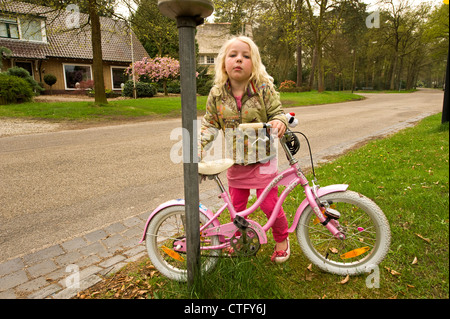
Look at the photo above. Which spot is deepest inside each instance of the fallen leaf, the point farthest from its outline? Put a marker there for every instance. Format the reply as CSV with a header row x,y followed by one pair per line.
x,y
334,250
392,271
309,267
414,261
345,280
309,276
410,286
395,273
421,237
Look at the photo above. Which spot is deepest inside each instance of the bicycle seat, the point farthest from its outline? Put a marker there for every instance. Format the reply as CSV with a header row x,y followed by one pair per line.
x,y
214,167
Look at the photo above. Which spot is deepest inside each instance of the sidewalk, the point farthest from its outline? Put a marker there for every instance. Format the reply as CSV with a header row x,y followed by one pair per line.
x,y
50,272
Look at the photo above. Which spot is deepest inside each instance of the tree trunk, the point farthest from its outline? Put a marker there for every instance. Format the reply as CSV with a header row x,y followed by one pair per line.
x,y
299,45
320,75
394,72
97,63
313,68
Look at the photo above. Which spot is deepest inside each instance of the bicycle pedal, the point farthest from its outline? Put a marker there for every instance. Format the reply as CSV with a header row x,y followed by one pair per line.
x,y
240,222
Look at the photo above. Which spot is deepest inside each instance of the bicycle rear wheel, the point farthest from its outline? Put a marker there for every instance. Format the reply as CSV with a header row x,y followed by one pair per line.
x,y
366,230
168,227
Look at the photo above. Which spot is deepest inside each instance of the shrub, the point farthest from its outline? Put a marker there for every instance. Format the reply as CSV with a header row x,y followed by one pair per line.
x,y
205,81
288,84
24,74
50,79
142,89
14,89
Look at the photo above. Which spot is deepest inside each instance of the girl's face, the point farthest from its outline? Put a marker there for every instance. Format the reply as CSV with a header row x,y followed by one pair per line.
x,y
238,62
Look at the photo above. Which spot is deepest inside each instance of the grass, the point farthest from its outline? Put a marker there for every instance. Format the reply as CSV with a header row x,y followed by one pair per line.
x,y
157,107
88,111
407,175
315,98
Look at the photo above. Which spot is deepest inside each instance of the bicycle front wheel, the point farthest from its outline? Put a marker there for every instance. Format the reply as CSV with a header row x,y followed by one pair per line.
x,y
366,230
168,227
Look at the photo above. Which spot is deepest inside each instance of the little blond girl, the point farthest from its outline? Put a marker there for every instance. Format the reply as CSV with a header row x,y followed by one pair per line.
x,y
243,92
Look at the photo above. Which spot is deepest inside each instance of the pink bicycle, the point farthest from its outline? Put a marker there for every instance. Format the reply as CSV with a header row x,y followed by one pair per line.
x,y
340,231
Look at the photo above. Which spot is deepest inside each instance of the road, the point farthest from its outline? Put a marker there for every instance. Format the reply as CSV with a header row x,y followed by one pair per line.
x,y
56,186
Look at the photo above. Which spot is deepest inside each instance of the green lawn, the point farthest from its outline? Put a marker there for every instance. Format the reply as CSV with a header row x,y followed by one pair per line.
x,y
407,175
144,108
315,98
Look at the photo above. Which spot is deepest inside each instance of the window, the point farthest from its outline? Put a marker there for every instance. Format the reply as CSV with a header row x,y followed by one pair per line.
x,y
77,76
118,77
25,65
209,59
9,27
30,29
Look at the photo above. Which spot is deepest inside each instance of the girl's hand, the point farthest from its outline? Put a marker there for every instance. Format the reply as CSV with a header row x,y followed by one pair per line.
x,y
277,124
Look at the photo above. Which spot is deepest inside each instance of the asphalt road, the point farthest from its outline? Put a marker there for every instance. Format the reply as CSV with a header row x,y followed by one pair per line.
x,y
59,185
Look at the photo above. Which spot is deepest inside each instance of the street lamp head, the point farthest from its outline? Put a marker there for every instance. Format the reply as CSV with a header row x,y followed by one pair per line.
x,y
186,8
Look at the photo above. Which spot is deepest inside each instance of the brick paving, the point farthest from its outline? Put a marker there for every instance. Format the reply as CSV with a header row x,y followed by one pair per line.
x,y
62,270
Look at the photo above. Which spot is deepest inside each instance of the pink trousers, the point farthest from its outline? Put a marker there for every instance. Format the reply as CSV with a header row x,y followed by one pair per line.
x,y
239,198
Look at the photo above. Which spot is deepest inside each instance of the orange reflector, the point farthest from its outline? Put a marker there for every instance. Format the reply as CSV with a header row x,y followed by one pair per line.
x,y
316,221
172,253
355,252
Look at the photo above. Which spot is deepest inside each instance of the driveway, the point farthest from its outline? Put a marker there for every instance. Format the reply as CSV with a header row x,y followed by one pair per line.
x,y
59,184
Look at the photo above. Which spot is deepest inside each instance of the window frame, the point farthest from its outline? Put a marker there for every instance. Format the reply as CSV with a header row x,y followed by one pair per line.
x,y
74,64
8,22
112,75
19,23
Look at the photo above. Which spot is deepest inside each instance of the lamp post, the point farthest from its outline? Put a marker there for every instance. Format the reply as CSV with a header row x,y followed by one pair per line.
x,y
189,14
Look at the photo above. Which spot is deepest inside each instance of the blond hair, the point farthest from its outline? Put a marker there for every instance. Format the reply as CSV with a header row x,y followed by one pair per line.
x,y
259,74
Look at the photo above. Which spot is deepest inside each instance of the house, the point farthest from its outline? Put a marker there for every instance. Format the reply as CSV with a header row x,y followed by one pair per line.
x,y
210,38
45,41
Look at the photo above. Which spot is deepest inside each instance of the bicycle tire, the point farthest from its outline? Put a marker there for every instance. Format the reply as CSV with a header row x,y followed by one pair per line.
x,y
173,219
331,254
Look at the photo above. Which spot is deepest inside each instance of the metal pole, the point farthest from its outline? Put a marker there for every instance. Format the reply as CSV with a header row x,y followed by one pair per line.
x,y
189,14
186,32
132,62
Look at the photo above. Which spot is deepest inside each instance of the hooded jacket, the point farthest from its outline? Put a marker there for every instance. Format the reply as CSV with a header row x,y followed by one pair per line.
x,y
259,105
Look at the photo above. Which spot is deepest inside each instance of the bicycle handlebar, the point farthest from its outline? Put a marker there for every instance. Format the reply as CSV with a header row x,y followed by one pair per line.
x,y
244,126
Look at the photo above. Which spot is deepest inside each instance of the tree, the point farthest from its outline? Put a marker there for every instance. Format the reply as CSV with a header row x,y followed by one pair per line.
x,y
4,53
237,12
157,33
50,79
97,63
157,69
327,21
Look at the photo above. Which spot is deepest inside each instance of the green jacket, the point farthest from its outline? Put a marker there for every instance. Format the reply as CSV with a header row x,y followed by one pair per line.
x,y
260,104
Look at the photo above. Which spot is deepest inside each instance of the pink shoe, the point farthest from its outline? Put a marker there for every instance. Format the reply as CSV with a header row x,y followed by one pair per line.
x,y
280,256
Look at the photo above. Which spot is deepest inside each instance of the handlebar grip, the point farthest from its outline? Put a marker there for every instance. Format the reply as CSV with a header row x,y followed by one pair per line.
x,y
253,125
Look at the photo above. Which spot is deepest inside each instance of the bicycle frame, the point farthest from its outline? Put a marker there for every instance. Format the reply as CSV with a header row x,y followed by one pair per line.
x,y
317,220
291,178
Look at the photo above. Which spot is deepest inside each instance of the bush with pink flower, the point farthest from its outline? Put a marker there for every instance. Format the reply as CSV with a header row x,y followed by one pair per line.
x,y
158,69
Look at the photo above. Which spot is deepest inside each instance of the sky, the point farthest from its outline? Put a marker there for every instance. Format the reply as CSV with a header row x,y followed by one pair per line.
x,y
413,2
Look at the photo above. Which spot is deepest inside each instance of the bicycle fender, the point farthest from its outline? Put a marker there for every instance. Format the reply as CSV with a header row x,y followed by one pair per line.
x,y
177,202
320,192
